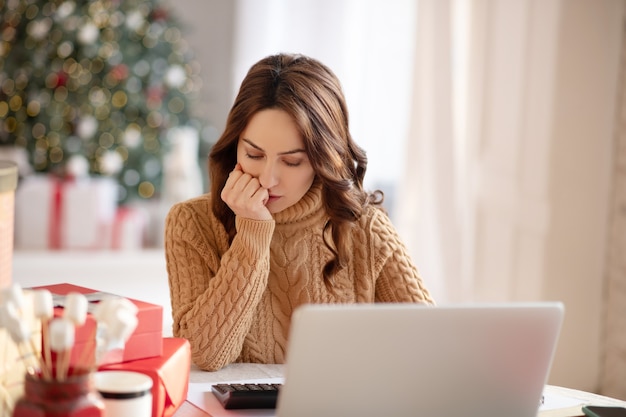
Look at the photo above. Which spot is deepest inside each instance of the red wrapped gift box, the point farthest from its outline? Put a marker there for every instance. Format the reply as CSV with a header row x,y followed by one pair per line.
x,y
145,341
169,373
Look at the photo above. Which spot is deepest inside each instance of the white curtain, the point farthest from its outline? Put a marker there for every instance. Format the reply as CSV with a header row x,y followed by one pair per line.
x,y
473,206
428,214
506,187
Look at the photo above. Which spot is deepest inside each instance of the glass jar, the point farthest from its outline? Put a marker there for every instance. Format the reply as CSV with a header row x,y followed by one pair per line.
x,y
8,183
75,396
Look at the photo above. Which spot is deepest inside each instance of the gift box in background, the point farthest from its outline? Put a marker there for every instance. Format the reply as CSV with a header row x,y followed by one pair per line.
x,y
129,230
88,212
144,342
12,364
51,213
8,183
169,373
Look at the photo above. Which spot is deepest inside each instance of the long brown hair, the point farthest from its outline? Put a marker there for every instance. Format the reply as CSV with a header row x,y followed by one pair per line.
x,y
311,93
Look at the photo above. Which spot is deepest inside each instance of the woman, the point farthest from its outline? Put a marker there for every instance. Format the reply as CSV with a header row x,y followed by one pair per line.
x,y
286,222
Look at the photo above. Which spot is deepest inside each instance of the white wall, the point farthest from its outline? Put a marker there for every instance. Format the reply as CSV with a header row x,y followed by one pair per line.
x,y
208,27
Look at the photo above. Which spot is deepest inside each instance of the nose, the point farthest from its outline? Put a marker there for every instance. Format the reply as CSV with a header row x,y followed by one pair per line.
x,y
269,175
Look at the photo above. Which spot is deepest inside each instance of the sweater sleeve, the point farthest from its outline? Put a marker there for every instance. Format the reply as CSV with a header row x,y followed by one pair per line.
x,y
214,288
397,278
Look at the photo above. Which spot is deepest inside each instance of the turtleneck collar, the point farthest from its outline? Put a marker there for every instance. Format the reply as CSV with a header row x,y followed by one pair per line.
x,y
308,205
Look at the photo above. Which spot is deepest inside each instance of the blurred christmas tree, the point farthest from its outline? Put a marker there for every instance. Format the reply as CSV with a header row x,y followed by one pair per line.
x,y
96,86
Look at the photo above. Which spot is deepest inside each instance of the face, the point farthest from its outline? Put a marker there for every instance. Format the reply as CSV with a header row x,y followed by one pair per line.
x,y
271,149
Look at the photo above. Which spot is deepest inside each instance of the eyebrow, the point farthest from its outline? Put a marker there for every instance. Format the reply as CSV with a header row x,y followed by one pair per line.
x,y
255,146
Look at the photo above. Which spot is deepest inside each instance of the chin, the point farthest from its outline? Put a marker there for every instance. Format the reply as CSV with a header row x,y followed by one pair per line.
x,y
277,208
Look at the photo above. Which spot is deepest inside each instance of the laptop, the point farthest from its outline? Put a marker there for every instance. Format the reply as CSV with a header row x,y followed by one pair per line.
x,y
480,360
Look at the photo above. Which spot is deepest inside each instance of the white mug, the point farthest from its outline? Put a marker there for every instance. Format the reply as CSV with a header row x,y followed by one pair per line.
x,y
125,393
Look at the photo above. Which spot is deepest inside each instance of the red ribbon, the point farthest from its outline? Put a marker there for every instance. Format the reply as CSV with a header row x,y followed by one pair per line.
x,y
56,210
121,215
56,238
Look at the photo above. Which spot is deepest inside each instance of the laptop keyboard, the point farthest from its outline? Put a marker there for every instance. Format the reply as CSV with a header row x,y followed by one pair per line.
x,y
239,396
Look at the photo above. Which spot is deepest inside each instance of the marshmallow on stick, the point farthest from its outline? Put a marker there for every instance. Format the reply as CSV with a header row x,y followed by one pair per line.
x,y
75,308
121,325
44,311
19,331
13,294
8,312
103,308
106,308
61,342
12,303
117,320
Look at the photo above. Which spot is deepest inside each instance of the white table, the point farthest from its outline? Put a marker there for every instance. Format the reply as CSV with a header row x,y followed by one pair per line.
x,y
256,371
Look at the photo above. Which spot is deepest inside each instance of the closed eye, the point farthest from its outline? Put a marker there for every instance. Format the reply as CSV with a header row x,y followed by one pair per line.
x,y
293,164
254,156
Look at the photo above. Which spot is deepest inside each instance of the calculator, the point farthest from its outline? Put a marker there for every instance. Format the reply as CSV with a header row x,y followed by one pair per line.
x,y
239,396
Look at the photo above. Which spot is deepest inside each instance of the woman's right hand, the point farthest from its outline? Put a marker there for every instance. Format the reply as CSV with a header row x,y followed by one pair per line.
x,y
245,196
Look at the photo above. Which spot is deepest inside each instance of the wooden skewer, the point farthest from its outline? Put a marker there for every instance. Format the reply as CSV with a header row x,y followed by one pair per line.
x,y
45,349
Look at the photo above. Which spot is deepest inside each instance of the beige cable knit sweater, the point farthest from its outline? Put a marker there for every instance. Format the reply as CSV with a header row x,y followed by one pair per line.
x,y
234,303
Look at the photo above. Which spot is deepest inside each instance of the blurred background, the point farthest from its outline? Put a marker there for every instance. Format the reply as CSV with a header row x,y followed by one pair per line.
x,y
496,129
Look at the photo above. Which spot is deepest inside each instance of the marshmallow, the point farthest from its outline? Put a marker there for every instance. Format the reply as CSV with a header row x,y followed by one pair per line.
x,y
76,308
13,294
126,304
43,305
121,325
7,312
61,334
105,308
19,330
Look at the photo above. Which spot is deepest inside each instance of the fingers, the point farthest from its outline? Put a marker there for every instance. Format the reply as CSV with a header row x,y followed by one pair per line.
x,y
245,196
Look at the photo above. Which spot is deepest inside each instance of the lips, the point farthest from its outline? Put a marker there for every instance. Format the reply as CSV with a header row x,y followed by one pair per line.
x,y
272,198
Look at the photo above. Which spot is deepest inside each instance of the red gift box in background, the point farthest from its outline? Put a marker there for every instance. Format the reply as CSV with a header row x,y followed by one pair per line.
x,y
145,341
169,373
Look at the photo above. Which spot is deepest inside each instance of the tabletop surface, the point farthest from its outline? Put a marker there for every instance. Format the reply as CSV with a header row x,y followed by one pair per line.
x,y
233,372
248,371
